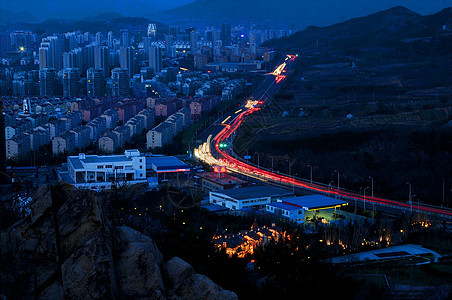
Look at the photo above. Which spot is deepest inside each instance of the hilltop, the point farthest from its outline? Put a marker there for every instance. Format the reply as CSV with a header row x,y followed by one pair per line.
x,y
395,28
300,14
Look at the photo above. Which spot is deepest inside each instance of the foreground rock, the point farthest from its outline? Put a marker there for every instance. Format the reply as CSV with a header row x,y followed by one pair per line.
x,y
186,284
67,249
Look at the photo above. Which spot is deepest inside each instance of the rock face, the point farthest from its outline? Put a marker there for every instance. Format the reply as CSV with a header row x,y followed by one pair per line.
x,y
186,284
67,249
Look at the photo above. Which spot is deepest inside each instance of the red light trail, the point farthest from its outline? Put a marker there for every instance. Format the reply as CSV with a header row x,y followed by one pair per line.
x,y
237,165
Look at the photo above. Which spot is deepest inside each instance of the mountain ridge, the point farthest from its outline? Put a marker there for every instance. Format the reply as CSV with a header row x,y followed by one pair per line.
x,y
391,27
300,14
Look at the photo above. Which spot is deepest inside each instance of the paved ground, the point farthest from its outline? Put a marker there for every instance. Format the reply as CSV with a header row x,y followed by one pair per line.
x,y
400,251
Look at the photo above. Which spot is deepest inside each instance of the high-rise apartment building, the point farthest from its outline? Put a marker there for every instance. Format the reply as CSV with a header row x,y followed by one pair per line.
x,y
155,58
71,82
47,82
126,59
120,78
102,59
95,82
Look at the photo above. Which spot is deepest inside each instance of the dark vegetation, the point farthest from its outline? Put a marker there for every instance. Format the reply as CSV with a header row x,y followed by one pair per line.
x,y
280,269
368,97
181,229
392,156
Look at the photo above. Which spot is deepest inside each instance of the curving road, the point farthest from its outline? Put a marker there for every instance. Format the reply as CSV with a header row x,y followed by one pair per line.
x,y
213,152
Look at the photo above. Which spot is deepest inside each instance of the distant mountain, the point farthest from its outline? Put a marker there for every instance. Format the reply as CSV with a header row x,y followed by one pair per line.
x,y
300,13
394,28
40,10
102,24
103,17
8,16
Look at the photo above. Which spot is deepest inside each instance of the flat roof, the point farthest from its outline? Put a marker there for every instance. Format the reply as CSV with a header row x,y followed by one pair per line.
x,y
161,164
254,192
214,207
314,202
284,206
91,159
226,179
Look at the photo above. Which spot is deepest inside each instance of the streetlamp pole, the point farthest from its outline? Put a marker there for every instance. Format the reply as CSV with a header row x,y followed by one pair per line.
x,y
365,198
337,179
272,161
442,204
310,167
409,197
289,166
257,159
372,185
329,186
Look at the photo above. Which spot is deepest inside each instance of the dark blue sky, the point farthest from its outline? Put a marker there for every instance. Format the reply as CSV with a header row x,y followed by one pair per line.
x,y
38,10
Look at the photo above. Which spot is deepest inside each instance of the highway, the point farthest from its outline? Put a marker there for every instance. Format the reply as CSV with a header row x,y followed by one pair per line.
x,y
214,152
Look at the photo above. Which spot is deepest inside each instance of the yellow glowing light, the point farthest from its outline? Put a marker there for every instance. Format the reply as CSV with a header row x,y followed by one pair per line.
x,y
22,48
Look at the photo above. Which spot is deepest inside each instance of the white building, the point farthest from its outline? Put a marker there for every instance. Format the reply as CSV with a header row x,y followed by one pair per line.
x,y
291,212
255,196
294,208
159,135
98,172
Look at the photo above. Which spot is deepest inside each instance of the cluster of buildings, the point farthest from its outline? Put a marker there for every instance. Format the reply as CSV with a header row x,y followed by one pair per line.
x,y
228,193
246,241
75,64
62,128
29,134
164,133
119,136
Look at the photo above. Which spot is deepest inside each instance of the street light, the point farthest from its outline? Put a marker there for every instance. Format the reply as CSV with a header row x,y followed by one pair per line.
x,y
289,166
365,197
310,167
337,178
372,185
410,197
257,158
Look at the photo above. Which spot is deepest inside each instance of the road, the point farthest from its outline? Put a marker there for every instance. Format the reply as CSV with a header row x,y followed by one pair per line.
x,y
216,150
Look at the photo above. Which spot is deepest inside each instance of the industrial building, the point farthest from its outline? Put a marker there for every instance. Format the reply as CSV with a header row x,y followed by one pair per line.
x,y
294,208
254,196
98,172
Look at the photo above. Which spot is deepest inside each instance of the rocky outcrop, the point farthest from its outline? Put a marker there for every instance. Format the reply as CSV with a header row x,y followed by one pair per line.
x,y
67,249
186,284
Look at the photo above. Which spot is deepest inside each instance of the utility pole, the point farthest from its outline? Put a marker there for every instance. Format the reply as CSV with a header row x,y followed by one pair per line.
x,y
338,187
409,197
365,198
372,185
310,167
257,158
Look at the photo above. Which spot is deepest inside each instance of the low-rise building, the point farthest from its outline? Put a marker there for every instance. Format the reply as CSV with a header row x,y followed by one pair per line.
x,y
255,196
220,181
99,172
108,143
294,208
18,146
159,135
64,143
82,137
